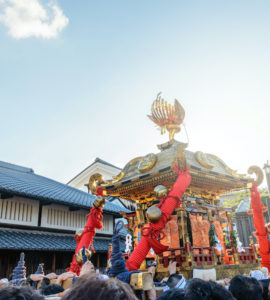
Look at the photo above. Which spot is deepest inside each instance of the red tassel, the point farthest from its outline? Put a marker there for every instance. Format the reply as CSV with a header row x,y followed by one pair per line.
x,y
99,191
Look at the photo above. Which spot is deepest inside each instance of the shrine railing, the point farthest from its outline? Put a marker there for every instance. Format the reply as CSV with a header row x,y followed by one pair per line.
x,y
204,256
189,256
249,256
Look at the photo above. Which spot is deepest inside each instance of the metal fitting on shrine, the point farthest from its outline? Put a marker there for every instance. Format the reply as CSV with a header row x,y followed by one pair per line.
x,y
160,191
153,214
99,202
79,257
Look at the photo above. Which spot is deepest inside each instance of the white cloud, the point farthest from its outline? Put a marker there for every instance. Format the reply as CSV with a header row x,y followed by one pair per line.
x,y
29,18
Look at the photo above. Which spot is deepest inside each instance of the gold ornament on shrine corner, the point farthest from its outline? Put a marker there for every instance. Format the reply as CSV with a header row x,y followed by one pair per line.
x,y
147,162
94,181
258,172
79,257
166,116
153,214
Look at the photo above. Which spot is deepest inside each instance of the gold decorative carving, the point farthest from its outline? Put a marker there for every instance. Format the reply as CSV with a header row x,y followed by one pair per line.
x,y
201,159
259,173
140,188
79,258
94,181
122,173
119,176
140,216
166,116
147,162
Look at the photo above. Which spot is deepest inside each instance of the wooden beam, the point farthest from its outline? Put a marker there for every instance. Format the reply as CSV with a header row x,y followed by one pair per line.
x,y
6,196
98,261
73,208
53,262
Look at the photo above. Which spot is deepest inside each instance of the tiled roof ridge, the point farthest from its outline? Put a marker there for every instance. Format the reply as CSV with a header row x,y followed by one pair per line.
x,y
27,241
15,167
46,233
34,186
40,232
106,163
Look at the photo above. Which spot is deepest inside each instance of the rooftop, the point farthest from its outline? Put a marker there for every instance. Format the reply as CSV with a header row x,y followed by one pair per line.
x,y
21,181
97,160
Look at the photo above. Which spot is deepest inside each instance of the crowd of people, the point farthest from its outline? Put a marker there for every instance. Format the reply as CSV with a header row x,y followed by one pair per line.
x,y
92,285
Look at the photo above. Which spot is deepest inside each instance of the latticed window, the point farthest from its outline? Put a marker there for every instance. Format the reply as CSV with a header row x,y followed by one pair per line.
x,y
19,211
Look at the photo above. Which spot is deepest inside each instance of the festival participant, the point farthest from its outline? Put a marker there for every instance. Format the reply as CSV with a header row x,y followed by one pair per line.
x,y
262,276
245,288
92,287
174,280
206,290
197,289
87,268
218,292
177,281
52,289
65,276
173,294
151,232
171,270
34,278
19,293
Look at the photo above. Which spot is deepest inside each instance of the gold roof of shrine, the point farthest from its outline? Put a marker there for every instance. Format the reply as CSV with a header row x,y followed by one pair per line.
x,y
210,176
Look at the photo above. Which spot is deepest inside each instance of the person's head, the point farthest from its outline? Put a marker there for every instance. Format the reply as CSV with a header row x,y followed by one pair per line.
x,y
265,285
197,289
87,268
19,293
245,288
176,281
99,289
218,292
172,294
52,289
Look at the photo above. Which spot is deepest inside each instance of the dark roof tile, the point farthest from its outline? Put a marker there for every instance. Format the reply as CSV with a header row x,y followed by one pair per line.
x,y
13,239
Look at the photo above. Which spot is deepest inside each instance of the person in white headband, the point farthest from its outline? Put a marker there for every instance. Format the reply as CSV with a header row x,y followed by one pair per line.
x,y
175,281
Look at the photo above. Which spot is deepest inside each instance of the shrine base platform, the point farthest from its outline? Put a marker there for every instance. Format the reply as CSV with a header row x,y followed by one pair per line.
x,y
222,271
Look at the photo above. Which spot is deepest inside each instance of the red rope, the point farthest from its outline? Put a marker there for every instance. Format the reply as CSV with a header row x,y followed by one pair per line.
x,y
151,235
259,223
87,237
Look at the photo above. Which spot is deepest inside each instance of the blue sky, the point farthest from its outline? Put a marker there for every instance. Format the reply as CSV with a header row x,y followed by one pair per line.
x,y
84,91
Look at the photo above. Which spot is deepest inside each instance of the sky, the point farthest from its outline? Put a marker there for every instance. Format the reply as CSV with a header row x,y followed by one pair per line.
x,y
77,79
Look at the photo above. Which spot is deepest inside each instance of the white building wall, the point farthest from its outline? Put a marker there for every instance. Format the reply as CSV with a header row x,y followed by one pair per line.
x,y
21,211
60,217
